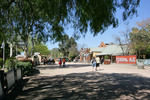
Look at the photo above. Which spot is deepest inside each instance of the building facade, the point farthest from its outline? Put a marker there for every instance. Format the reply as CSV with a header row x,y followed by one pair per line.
x,y
103,50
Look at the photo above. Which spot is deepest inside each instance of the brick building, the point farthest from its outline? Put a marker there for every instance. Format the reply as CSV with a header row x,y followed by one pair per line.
x,y
111,50
85,55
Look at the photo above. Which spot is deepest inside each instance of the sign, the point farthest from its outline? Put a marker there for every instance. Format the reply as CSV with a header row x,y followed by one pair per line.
x,y
126,59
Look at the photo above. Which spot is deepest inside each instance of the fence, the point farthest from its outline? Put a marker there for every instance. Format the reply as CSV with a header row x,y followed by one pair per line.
x,y
9,79
146,61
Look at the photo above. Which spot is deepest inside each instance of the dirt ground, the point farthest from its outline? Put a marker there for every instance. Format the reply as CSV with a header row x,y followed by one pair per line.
x,y
80,81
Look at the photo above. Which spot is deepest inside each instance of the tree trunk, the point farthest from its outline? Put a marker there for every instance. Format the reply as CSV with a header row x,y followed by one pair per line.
x,y
32,46
139,54
26,51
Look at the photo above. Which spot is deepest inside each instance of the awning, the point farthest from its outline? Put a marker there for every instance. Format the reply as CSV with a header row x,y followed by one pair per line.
x,y
117,54
113,54
86,54
102,54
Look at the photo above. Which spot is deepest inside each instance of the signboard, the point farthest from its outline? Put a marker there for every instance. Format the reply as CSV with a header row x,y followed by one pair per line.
x,y
126,59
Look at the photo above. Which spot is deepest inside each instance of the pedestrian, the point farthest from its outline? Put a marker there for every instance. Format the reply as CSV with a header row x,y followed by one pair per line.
x,y
64,62
60,62
93,63
102,60
44,61
97,62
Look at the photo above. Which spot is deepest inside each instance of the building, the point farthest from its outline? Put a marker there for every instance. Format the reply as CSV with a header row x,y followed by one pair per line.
x,y
109,50
85,55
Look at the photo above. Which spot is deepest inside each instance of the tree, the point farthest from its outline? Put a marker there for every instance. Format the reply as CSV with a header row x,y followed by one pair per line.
x,y
140,38
81,46
73,52
55,53
41,48
124,42
65,45
48,18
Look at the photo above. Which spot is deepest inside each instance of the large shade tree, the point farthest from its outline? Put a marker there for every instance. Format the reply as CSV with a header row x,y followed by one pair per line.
x,y
140,38
48,18
73,52
66,44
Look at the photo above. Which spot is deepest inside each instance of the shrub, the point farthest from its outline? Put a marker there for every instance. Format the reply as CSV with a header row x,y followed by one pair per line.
x,y
1,63
106,57
10,63
26,66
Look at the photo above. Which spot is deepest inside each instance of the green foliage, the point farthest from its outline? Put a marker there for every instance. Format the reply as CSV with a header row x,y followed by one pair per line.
x,y
106,57
27,67
49,18
55,53
73,52
7,50
43,49
140,39
65,45
10,63
1,63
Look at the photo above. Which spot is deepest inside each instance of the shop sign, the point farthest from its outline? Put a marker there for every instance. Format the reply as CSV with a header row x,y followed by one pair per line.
x,y
126,59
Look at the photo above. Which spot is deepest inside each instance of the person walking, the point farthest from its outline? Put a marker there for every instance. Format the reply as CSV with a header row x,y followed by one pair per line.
x,y
93,63
64,62
102,60
97,62
60,62
44,61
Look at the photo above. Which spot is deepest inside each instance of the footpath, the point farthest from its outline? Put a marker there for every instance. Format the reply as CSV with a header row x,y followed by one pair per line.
x,y
81,81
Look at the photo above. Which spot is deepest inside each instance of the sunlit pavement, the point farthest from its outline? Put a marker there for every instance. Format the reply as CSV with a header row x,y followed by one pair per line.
x,y
52,70
80,81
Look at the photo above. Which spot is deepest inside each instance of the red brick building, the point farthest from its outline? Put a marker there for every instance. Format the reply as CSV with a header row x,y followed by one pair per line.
x,y
110,50
84,55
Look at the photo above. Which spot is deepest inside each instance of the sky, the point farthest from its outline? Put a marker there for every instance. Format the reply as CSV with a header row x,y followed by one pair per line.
x,y
110,33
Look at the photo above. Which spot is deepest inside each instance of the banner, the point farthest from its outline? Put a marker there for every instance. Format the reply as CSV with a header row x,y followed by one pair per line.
x,y
126,59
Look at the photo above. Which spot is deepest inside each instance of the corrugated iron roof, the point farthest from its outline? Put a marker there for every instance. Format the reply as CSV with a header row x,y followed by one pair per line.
x,y
109,50
97,49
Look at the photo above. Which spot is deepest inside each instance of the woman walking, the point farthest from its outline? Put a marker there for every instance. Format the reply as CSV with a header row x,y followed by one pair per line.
x,y
94,63
60,62
64,62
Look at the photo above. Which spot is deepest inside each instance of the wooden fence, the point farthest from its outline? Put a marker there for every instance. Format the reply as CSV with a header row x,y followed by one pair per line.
x,y
8,80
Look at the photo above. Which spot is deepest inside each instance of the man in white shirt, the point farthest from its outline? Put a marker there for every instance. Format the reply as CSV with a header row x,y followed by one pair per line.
x,y
97,62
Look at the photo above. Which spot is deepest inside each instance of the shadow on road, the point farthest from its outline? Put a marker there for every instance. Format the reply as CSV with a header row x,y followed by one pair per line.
x,y
55,66
16,90
91,85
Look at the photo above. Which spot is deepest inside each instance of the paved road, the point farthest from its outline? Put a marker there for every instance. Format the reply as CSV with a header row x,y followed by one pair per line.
x,y
85,67
80,81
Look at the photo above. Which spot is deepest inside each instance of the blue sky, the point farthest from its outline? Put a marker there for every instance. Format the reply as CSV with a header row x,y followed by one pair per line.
x,y
108,35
